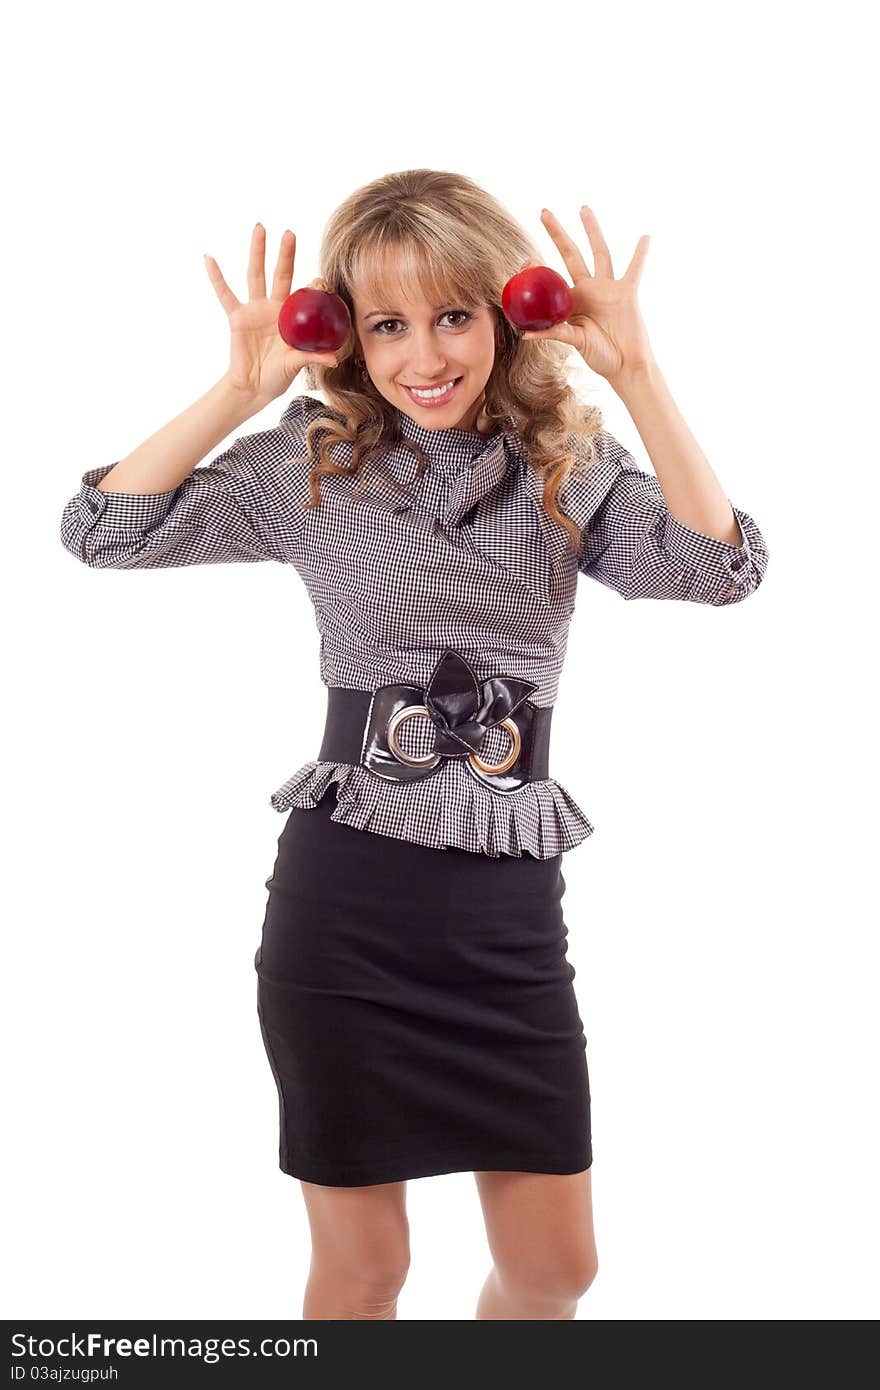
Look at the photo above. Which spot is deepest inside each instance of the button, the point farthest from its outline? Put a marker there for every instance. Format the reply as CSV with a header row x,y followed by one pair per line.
x,y
737,562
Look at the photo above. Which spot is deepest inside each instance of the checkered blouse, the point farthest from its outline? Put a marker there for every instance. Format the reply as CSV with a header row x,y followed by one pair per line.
x,y
466,559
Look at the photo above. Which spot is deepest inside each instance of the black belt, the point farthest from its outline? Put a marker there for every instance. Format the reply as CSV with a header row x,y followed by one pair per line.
x,y
362,726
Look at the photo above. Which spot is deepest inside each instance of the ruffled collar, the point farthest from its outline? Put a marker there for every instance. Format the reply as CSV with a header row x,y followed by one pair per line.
x,y
473,465
483,473
446,450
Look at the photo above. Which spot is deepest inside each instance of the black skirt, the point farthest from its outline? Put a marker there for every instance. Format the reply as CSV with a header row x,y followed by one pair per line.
x,y
417,1009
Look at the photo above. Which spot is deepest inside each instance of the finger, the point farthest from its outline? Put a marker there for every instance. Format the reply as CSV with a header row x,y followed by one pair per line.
x,y
601,254
559,333
324,359
574,261
256,274
283,277
636,265
222,290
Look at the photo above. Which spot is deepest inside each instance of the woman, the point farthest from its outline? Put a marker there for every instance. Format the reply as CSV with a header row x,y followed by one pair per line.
x,y
414,994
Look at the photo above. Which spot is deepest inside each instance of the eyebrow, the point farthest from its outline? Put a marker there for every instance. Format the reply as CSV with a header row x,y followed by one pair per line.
x,y
398,313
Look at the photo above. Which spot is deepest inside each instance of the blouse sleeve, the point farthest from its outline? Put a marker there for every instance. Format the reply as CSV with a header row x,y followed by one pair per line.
x,y
230,510
632,543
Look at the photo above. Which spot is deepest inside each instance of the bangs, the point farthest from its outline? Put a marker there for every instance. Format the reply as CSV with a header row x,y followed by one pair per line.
x,y
390,276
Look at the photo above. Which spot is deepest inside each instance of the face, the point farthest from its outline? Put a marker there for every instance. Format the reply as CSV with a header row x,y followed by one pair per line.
x,y
408,344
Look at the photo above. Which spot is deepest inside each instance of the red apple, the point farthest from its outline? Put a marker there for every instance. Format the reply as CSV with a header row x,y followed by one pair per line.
x,y
314,321
536,298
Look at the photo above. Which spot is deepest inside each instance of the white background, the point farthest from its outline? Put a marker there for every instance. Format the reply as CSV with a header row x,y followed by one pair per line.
x,y
722,919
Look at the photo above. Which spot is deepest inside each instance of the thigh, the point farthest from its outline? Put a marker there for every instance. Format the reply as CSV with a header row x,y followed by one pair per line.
x,y
540,1225
360,1229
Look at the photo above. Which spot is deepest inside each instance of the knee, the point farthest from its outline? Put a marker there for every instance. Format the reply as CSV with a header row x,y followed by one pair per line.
x,y
384,1278
583,1274
373,1292
368,1285
559,1280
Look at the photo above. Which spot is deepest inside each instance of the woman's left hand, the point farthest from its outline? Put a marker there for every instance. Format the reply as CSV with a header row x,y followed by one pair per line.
x,y
605,324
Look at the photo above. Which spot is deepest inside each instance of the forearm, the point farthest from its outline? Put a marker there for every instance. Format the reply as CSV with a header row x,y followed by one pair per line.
x,y
162,462
693,493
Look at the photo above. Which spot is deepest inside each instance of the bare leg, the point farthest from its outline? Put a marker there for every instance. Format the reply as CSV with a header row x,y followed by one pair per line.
x,y
540,1232
360,1250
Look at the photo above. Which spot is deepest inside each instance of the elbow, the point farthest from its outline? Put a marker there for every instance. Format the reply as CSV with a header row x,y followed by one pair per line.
x,y
84,547
81,550
746,582
733,581
745,571
739,588
75,543
738,593
77,534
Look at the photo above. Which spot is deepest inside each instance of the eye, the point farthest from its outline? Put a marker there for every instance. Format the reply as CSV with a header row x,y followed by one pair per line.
x,y
463,314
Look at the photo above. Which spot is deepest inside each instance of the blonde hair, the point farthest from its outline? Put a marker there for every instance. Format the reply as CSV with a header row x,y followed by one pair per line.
x,y
452,242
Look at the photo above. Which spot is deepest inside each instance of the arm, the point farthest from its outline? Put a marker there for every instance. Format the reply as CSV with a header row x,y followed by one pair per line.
x,y
676,535
693,494
633,544
169,515
151,509
168,456
673,536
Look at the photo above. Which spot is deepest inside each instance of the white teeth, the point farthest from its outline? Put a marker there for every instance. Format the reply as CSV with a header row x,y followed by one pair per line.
x,y
438,390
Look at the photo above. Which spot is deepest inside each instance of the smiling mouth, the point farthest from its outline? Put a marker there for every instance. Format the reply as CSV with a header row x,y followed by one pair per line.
x,y
448,385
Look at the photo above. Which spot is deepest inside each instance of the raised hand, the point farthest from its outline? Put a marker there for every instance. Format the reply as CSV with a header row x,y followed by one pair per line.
x,y
605,324
261,365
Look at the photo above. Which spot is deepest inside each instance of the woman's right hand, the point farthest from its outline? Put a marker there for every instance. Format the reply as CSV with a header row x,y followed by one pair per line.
x,y
261,365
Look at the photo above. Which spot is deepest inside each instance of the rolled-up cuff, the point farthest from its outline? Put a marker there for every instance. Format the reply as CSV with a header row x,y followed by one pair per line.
x,y
129,510
707,555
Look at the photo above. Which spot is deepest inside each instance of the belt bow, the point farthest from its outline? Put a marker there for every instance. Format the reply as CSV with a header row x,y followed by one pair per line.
x,y
464,709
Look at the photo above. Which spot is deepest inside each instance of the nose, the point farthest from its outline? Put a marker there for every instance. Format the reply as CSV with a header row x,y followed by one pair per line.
x,y
427,360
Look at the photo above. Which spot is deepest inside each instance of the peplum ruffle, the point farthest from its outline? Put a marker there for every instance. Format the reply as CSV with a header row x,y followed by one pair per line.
x,y
449,809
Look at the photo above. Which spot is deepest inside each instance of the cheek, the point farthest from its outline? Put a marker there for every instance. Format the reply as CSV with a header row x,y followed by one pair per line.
x,y
378,356
473,352
384,349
